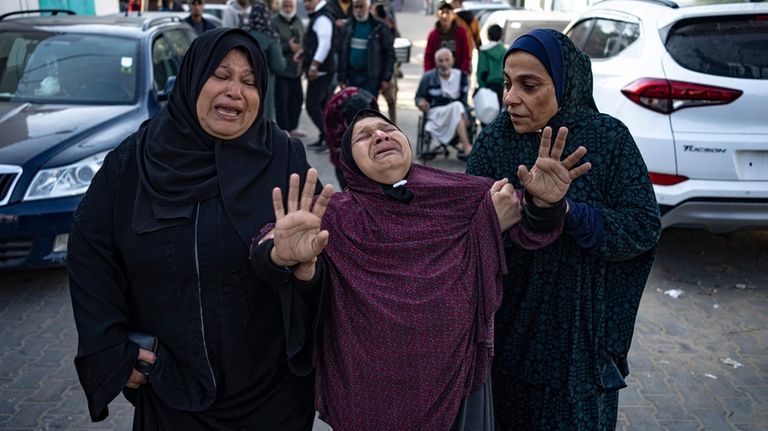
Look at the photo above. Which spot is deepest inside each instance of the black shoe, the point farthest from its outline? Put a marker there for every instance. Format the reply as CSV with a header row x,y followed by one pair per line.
x,y
462,156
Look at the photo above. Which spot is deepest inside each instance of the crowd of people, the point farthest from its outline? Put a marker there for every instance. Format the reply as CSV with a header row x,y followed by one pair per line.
x,y
503,298
351,44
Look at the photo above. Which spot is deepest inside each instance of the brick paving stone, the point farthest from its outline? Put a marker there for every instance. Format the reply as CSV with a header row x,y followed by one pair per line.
x,y
10,398
30,378
679,425
630,396
28,415
52,390
723,388
695,396
713,419
759,394
653,383
668,408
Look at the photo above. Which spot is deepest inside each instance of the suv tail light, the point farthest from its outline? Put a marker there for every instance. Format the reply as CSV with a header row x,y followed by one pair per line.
x,y
666,96
666,179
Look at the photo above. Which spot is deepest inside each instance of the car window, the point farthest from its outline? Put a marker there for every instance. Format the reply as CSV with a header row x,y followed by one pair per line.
x,y
515,28
67,68
604,38
735,46
580,32
164,63
179,41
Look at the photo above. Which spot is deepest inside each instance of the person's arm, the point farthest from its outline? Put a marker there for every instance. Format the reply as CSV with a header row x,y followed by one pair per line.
x,y
387,53
323,27
463,54
422,95
433,40
99,289
464,96
229,18
277,63
334,124
482,69
631,223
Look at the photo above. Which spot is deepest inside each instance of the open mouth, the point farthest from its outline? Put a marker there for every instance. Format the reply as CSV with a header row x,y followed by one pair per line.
x,y
227,111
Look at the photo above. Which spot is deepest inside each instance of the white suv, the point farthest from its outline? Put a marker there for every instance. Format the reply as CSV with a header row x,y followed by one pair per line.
x,y
691,83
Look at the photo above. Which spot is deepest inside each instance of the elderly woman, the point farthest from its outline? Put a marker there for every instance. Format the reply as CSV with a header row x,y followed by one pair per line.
x,y
564,328
412,272
161,246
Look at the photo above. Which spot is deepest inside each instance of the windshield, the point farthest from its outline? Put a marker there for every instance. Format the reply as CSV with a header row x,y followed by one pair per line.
x,y
67,68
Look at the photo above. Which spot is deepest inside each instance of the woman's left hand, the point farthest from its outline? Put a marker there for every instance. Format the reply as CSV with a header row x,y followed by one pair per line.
x,y
297,234
549,179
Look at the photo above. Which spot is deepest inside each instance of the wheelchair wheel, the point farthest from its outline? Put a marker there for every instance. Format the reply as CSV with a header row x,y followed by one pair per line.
x,y
423,142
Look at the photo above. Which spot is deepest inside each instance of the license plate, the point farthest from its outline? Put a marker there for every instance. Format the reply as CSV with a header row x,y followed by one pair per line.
x,y
753,165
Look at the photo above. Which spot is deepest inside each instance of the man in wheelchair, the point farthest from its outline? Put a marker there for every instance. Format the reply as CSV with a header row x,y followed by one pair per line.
x,y
442,96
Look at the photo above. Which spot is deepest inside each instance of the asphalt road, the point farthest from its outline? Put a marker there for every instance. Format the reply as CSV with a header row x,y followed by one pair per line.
x,y
699,361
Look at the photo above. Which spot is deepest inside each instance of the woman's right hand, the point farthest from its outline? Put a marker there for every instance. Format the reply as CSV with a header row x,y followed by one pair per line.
x,y
297,234
137,378
506,203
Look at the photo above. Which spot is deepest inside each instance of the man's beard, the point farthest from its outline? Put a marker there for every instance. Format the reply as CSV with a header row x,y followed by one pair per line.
x,y
288,16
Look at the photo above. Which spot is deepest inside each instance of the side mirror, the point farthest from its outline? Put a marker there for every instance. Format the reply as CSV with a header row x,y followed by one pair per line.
x,y
163,95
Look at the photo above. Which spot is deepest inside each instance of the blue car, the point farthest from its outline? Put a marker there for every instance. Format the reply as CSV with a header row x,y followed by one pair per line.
x,y
71,89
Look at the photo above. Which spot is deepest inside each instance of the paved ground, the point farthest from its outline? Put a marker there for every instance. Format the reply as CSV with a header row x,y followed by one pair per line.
x,y
699,362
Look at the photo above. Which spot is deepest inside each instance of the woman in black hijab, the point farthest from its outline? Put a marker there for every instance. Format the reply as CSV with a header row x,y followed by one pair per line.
x,y
161,245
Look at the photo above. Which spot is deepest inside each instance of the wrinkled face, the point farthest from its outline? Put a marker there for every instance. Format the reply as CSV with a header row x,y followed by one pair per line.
x,y
310,5
229,101
445,17
529,93
360,9
444,61
381,150
196,9
287,7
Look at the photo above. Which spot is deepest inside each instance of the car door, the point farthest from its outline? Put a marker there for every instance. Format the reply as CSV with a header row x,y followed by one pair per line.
x,y
168,49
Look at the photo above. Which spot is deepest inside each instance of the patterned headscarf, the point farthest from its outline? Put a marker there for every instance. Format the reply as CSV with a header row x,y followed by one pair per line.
x,y
261,20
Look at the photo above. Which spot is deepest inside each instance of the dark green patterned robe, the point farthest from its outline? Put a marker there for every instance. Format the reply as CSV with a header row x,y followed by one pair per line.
x,y
565,325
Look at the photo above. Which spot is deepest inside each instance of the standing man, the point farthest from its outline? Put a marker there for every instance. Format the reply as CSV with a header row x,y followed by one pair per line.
x,y
237,14
195,18
288,89
448,34
318,63
367,55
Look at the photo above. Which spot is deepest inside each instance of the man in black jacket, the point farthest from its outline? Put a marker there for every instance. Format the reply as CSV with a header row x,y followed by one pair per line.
x,y
195,18
367,54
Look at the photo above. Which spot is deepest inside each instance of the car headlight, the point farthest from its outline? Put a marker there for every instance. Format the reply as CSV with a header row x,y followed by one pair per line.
x,y
67,180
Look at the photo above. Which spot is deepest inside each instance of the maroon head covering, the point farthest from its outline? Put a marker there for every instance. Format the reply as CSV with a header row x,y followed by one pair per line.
x,y
414,286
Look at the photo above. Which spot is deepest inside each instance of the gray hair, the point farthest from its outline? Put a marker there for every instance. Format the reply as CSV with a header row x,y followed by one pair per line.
x,y
441,50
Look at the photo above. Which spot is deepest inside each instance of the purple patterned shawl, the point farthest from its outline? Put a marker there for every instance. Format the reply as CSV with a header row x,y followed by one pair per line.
x,y
413,291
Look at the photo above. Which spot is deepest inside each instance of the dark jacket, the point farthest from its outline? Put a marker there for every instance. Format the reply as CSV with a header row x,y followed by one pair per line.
x,y
293,29
207,25
380,53
311,42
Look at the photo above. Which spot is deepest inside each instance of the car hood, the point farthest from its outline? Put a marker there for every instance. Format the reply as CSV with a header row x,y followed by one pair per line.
x,y
29,129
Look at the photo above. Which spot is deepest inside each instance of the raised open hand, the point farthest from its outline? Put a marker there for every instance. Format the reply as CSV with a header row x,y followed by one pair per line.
x,y
549,179
297,233
506,203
